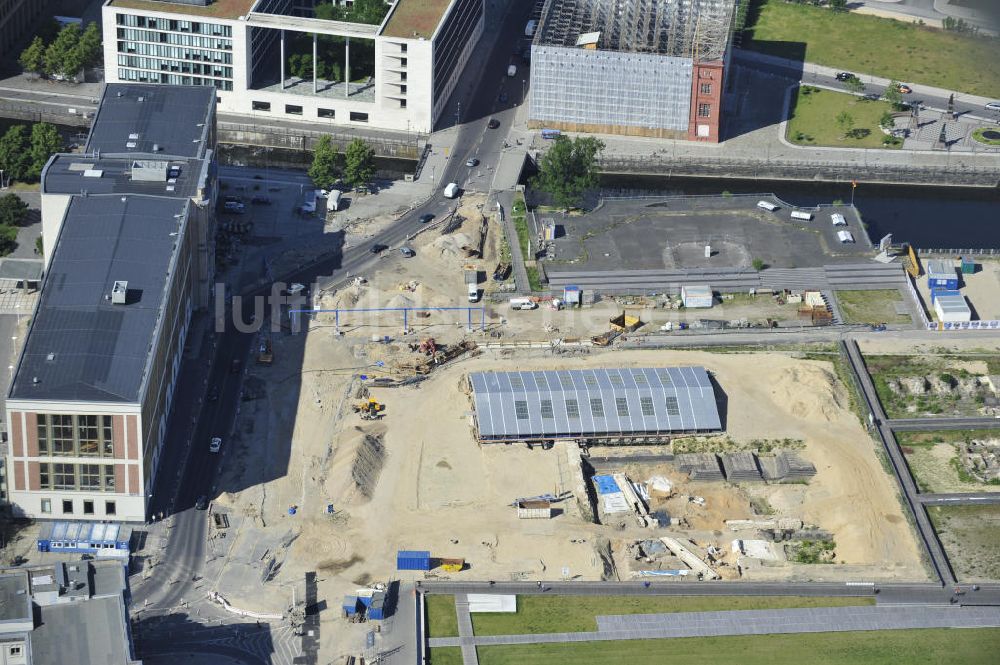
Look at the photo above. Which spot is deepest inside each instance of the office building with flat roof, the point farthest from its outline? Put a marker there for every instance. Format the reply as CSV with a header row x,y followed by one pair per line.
x,y
66,613
128,229
396,75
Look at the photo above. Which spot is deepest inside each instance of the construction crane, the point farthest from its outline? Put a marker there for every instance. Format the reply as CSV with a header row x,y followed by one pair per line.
x,y
370,409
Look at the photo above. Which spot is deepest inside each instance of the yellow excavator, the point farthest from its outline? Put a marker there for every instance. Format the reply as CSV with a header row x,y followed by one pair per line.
x,y
370,409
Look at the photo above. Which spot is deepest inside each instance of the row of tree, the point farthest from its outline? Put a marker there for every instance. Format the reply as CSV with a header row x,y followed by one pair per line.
x,y
355,167
66,55
13,213
23,153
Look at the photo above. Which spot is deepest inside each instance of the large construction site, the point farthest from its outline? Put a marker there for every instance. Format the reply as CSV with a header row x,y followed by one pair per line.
x,y
357,441
639,67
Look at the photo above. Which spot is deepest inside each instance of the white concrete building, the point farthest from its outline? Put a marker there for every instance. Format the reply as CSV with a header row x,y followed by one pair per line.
x,y
244,49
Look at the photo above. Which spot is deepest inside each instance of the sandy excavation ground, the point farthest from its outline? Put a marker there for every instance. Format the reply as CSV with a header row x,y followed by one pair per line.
x,y
416,479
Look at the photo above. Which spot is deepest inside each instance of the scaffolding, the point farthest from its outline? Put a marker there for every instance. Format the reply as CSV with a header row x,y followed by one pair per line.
x,y
696,29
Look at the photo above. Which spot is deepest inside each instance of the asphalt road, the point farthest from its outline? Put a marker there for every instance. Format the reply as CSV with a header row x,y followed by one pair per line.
x,y
964,498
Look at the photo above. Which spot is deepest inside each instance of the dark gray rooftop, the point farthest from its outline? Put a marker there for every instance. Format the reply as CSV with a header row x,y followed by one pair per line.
x,y
21,269
81,346
173,117
594,402
81,633
75,174
15,602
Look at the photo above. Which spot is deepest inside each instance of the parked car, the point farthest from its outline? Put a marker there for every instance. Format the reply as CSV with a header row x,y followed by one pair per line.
x,y
993,106
845,76
493,123
378,248
201,503
215,445
471,161
426,218
407,252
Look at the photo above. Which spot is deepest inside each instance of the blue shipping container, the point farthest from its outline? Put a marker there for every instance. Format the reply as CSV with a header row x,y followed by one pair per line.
x,y
350,605
376,612
413,560
935,293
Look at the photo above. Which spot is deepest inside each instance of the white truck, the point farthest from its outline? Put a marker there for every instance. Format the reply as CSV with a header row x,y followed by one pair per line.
x,y
472,284
523,303
451,190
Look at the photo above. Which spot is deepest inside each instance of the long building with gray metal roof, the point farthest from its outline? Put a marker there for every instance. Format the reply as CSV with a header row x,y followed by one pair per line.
x,y
615,404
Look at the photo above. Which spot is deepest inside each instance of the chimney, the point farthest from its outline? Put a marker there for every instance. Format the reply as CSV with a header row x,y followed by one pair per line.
x,y
119,293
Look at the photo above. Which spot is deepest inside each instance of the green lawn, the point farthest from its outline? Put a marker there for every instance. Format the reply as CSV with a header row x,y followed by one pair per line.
x,y
877,46
814,119
889,647
871,306
442,620
446,656
570,614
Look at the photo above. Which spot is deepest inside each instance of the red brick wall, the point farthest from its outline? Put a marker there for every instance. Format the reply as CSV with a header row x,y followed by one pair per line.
x,y
133,437
18,475
133,478
34,477
31,433
16,435
118,436
120,478
711,75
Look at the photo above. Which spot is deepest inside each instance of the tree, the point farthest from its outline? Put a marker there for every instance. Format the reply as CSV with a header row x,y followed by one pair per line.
x,y
361,11
838,5
359,163
892,93
89,47
846,122
886,121
13,211
855,85
8,240
45,142
33,58
758,264
62,57
327,164
569,169
15,159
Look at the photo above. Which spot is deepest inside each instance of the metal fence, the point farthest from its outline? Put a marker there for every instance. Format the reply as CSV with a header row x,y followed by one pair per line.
x,y
982,251
667,165
305,139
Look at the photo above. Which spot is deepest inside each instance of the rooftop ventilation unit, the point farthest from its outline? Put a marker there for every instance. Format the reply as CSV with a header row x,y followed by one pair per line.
x,y
119,293
131,144
50,357
133,137
150,170
93,173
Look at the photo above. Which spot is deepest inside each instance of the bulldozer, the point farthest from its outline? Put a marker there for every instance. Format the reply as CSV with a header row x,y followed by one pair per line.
x,y
370,409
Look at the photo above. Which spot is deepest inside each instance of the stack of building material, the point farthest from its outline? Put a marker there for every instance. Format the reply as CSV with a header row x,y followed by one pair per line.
x,y
612,498
700,466
739,467
793,467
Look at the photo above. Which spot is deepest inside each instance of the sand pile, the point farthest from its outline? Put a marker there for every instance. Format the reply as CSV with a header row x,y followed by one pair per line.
x,y
823,400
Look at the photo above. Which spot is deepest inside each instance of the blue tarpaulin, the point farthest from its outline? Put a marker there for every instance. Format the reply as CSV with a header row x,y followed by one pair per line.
x,y
606,485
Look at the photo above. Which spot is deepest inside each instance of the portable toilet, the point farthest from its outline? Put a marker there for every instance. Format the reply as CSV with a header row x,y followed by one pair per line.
x,y
941,275
572,296
968,265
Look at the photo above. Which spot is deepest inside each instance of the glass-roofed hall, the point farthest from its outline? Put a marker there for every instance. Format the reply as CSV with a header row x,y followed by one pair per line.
x,y
614,404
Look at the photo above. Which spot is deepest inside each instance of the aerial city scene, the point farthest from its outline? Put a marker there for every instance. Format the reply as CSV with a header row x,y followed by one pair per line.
x,y
500,332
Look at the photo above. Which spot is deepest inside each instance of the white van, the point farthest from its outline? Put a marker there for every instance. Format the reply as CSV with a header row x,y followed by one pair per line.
x,y
838,219
805,216
523,303
512,71
845,237
451,190
767,205
529,30
473,292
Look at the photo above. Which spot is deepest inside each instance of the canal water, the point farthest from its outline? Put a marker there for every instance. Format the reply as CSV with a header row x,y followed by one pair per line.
x,y
926,217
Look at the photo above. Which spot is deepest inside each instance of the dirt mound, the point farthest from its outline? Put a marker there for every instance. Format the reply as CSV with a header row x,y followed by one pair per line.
x,y
823,400
451,245
367,465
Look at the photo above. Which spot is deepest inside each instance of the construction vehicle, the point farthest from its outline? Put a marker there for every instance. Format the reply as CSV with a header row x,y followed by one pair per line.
x,y
370,409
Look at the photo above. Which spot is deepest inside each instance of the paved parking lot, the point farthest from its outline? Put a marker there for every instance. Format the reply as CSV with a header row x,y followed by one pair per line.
x,y
672,233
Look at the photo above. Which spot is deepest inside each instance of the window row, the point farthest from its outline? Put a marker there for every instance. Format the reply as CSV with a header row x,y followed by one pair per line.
x,y
77,477
131,35
295,109
175,52
596,407
182,66
133,21
110,507
75,436
171,79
